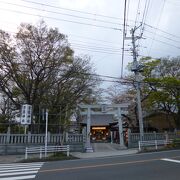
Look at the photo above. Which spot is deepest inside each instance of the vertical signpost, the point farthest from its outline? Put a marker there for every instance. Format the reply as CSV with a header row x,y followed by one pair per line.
x,y
45,117
46,135
26,115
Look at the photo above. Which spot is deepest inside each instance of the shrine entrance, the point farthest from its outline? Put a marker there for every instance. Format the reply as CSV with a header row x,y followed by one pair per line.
x,y
100,134
97,130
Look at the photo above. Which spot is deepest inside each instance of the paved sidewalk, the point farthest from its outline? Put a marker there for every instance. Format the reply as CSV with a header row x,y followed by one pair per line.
x,y
104,153
10,158
5,159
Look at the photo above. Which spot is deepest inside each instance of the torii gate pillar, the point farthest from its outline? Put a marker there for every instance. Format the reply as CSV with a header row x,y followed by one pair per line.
x,y
121,136
88,147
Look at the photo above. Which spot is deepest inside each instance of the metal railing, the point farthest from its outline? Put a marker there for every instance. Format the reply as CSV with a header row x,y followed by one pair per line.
x,y
42,149
153,143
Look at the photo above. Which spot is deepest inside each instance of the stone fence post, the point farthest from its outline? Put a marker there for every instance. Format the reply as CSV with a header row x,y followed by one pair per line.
x,y
166,136
84,134
8,135
155,137
29,137
49,137
66,137
129,137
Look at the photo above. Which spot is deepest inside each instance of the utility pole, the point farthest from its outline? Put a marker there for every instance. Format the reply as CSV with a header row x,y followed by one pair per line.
x,y
136,68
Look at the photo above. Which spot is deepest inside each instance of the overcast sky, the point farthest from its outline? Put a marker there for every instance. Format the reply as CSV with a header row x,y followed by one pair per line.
x,y
94,27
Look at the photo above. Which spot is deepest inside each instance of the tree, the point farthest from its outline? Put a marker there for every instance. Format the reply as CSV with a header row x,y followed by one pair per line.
x,y
124,93
160,88
164,86
31,62
77,85
38,67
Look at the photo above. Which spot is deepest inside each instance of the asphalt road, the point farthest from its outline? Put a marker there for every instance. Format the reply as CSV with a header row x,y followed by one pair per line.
x,y
148,166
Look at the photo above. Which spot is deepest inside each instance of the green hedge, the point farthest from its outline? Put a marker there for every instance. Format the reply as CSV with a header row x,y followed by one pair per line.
x,y
176,142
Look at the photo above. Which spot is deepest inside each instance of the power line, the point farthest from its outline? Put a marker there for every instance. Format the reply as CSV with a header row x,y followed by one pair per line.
x,y
125,80
117,79
71,15
83,37
114,17
93,45
65,20
154,35
114,42
69,35
137,16
86,43
170,39
94,14
163,42
130,81
93,48
104,50
170,34
146,8
137,13
113,51
100,40
58,7
72,10
124,34
96,51
127,16
175,3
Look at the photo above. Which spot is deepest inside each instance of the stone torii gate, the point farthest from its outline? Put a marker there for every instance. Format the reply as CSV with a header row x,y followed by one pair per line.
x,y
117,110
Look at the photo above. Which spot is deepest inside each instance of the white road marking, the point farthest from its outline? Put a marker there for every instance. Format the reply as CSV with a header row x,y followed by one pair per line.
x,y
23,167
23,163
19,171
16,170
170,160
19,177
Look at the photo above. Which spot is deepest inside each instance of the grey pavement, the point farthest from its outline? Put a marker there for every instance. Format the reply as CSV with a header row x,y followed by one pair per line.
x,y
100,150
17,158
10,158
104,153
146,166
104,150
5,159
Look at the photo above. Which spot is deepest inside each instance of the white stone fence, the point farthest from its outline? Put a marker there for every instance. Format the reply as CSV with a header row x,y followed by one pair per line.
x,y
40,138
154,143
134,138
